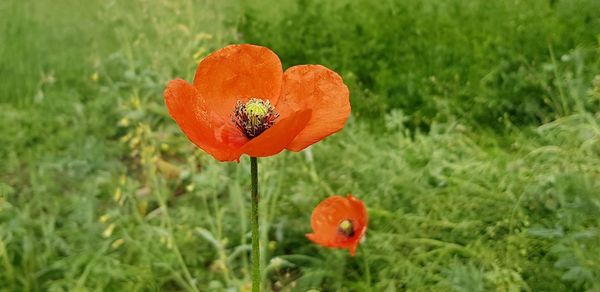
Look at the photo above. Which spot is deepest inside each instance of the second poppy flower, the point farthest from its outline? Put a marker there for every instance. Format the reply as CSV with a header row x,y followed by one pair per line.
x,y
339,222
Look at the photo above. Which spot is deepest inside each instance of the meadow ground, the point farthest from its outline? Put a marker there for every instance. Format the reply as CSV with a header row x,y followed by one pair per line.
x,y
474,142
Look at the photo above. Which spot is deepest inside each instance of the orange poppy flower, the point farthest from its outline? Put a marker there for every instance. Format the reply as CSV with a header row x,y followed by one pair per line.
x,y
339,222
241,102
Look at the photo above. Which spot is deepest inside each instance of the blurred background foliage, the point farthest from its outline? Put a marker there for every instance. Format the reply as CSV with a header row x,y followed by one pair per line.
x,y
487,60
473,142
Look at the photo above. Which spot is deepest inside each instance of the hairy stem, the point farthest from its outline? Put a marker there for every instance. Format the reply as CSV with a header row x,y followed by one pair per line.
x,y
254,220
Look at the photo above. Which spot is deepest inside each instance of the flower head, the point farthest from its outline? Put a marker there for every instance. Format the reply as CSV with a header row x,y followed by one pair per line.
x,y
242,102
339,222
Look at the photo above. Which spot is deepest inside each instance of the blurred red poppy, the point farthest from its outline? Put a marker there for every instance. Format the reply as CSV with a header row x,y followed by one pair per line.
x,y
241,102
339,222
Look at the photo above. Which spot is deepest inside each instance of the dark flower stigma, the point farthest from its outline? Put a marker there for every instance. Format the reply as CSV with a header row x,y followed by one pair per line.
x,y
254,116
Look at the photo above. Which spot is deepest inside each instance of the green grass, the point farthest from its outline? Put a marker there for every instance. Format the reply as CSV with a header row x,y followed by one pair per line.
x,y
487,61
474,143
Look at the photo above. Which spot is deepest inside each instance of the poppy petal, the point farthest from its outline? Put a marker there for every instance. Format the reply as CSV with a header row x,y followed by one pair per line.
x,y
320,240
327,242
238,72
276,138
358,209
352,249
326,218
320,89
203,128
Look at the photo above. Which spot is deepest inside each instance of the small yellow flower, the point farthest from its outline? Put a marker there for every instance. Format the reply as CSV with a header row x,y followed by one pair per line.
x,y
104,218
135,102
164,147
134,142
190,188
109,230
124,122
117,195
117,243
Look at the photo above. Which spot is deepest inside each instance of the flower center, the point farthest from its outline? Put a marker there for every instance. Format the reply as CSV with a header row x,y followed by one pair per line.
x,y
254,116
346,228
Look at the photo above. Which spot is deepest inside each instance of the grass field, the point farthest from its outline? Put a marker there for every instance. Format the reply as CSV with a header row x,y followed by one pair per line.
x,y
474,142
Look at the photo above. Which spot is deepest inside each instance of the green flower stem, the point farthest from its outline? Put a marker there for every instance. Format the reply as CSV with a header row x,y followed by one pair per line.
x,y
254,220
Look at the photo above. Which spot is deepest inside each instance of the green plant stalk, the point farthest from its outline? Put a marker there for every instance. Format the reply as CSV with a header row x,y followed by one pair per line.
x,y
254,222
367,270
563,99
